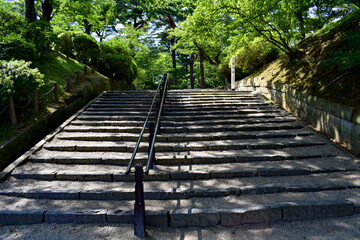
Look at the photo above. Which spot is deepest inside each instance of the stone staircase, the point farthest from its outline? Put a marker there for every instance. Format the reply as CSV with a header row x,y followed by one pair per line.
x,y
223,157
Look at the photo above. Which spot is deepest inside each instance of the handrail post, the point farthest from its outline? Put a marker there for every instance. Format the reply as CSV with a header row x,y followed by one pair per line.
x,y
139,207
151,137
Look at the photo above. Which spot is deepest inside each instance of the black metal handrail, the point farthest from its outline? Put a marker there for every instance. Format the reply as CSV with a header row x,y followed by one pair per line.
x,y
144,126
150,159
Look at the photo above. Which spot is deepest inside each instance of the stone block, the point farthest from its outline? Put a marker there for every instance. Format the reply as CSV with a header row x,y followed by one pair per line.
x,y
85,176
268,172
194,217
250,215
357,208
157,194
76,216
12,217
216,192
52,194
96,195
311,210
120,216
233,173
157,218
262,189
186,175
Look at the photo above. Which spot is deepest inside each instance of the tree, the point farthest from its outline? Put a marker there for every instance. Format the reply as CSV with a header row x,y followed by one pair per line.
x,y
30,15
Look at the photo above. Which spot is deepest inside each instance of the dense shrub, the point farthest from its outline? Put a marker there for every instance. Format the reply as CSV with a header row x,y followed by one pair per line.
x,y
116,61
249,59
64,43
18,80
86,49
41,34
10,21
14,46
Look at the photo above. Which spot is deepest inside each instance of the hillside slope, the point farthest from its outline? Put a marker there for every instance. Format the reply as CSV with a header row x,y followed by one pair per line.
x,y
329,66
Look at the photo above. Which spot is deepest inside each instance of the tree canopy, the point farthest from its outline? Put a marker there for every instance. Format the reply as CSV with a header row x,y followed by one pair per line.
x,y
179,35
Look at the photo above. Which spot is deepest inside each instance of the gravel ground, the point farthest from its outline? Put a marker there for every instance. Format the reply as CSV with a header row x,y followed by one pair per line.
x,y
336,228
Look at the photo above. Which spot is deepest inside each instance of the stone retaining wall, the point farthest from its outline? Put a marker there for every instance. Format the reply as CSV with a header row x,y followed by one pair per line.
x,y
342,123
19,144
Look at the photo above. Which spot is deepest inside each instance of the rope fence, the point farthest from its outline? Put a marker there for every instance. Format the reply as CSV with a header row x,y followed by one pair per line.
x,y
22,107
35,99
45,94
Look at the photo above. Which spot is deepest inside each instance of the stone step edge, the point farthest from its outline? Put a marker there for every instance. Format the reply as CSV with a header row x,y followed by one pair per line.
x,y
192,217
174,193
176,175
179,148
186,159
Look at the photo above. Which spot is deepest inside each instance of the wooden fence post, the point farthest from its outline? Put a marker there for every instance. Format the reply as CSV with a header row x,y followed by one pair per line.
x,y
12,112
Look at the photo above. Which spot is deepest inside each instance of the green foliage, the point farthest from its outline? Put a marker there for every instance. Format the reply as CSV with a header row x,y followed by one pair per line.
x,y
348,56
10,21
116,61
86,49
152,65
64,43
14,46
249,58
41,34
18,80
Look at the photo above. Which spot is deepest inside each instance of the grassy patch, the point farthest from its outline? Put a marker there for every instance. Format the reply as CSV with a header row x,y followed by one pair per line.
x,y
56,67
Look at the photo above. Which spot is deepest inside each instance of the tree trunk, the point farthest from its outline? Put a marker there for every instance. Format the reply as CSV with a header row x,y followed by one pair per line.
x,y
47,10
87,26
30,15
202,74
173,55
192,82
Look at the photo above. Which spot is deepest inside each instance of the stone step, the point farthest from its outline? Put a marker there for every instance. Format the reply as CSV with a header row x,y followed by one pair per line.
x,y
228,144
185,123
221,105
179,189
111,112
189,129
51,172
180,109
90,136
183,118
191,157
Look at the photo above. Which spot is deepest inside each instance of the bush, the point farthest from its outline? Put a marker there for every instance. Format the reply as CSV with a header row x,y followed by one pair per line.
x,y
10,21
14,46
249,59
64,43
18,80
41,34
86,49
116,62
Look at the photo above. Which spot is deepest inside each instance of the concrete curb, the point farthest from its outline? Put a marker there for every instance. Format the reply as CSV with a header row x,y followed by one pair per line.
x,y
192,217
4,173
